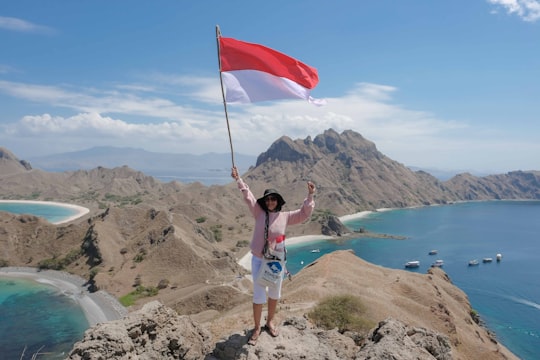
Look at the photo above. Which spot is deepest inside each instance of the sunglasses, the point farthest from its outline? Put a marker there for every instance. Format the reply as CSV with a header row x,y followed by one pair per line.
x,y
270,198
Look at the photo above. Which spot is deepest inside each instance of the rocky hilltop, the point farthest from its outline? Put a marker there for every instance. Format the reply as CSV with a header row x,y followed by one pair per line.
x,y
185,239
414,316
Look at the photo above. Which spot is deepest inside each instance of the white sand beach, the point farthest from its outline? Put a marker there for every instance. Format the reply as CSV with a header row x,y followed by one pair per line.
x,y
355,216
245,261
98,307
80,210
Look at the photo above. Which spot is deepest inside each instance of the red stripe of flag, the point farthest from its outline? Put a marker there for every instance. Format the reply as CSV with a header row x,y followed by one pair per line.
x,y
240,55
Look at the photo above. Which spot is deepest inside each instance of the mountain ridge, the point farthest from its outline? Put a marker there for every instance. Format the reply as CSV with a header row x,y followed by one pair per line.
x,y
150,162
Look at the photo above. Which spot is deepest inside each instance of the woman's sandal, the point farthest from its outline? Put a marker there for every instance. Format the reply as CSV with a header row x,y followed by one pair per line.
x,y
254,337
271,330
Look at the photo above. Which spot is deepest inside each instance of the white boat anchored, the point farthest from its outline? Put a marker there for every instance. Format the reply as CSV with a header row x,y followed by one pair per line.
x,y
316,250
412,264
438,263
499,257
487,260
433,252
473,262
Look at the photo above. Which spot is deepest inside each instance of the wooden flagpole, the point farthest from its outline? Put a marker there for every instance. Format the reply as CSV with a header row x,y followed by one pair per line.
x,y
218,35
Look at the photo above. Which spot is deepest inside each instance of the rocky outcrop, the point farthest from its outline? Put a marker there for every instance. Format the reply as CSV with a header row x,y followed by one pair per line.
x,y
157,332
332,226
393,339
419,316
154,332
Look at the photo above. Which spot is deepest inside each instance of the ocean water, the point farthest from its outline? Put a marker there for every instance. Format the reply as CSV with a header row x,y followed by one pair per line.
x,y
52,213
36,317
506,294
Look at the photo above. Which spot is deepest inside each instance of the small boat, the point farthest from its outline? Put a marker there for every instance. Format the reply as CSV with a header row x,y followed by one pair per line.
x,y
433,252
437,263
412,264
487,260
316,250
499,257
473,262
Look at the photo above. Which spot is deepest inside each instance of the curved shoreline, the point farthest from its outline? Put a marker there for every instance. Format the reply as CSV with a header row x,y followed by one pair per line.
x,y
80,210
245,261
97,307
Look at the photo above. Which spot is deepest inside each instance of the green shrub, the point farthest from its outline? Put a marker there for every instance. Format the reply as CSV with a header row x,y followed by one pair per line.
x,y
216,230
93,273
140,292
50,264
57,263
344,312
200,220
242,243
140,256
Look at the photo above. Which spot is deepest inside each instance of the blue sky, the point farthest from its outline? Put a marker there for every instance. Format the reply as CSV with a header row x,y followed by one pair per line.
x,y
451,85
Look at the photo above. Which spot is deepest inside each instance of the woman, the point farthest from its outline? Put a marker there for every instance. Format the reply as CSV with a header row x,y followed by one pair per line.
x,y
269,205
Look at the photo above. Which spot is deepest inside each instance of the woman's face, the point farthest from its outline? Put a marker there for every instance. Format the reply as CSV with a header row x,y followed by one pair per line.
x,y
271,202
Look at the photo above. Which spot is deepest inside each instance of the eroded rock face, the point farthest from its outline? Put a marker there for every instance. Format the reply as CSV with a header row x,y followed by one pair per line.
x,y
154,332
331,226
298,339
157,332
395,340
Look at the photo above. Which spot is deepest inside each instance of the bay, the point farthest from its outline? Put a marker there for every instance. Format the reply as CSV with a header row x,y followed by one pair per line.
x,y
506,294
37,318
51,212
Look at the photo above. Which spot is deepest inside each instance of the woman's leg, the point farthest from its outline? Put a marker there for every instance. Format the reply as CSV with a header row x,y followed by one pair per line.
x,y
274,294
259,299
272,305
257,313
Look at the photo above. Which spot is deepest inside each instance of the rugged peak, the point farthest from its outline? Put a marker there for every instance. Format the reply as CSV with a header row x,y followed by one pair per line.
x,y
286,149
9,164
332,142
348,144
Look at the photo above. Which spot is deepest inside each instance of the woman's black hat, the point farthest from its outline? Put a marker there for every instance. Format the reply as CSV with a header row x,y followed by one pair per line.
x,y
273,192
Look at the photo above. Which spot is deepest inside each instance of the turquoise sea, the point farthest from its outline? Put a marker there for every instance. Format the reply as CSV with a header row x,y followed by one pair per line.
x,y
36,318
506,294
53,213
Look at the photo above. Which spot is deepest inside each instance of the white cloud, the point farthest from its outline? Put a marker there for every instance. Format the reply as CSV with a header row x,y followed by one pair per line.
x,y
528,10
15,24
46,133
135,116
103,101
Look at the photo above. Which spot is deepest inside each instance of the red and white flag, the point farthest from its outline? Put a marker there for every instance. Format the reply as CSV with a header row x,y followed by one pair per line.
x,y
253,72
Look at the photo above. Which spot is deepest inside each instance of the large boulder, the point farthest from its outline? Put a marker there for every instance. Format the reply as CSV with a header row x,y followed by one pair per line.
x,y
395,340
153,332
